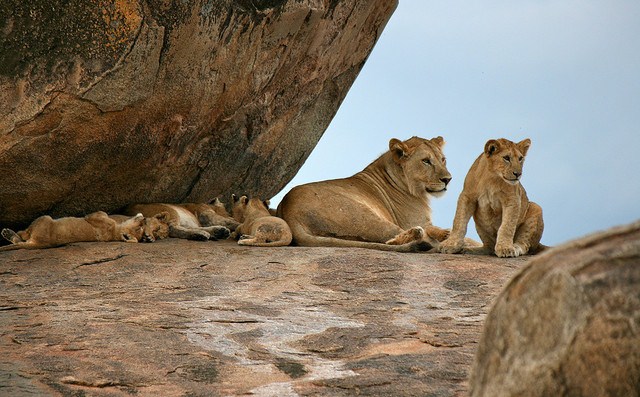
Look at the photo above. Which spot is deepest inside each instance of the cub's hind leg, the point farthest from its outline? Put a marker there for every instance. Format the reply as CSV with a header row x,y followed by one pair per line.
x,y
11,236
529,233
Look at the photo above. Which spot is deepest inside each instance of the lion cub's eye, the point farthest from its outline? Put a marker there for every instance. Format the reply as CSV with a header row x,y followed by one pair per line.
x,y
427,161
507,159
520,159
444,160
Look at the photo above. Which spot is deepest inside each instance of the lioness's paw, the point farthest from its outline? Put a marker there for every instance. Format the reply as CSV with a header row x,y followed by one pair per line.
x,y
199,235
220,233
450,246
508,251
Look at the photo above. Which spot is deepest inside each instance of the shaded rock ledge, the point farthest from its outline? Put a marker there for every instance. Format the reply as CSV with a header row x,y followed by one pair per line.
x,y
107,103
183,318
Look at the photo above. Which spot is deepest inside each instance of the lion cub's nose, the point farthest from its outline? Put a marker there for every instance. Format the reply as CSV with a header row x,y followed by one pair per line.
x,y
445,180
517,174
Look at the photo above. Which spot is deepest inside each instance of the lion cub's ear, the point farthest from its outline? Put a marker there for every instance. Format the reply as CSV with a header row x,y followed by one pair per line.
x,y
523,146
399,149
266,203
162,217
492,146
244,200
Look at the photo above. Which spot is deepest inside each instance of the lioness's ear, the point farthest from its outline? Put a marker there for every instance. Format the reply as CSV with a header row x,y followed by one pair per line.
x,y
438,141
491,147
398,149
523,146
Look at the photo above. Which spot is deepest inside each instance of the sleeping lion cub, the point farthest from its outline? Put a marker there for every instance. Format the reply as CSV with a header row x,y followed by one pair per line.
x,y
507,222
188,221
46,232
259,228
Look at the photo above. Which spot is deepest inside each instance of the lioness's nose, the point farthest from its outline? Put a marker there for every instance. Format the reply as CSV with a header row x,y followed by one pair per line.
x,y
445,180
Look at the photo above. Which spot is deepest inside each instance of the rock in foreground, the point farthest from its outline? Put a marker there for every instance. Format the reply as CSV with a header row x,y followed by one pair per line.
x,y
568,324
103,104
177,318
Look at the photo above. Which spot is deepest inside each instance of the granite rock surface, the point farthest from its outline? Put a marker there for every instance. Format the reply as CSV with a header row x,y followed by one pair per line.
x,y
186,318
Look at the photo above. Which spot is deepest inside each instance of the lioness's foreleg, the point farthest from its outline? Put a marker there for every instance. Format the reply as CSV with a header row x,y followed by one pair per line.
x,y
529,233
178,231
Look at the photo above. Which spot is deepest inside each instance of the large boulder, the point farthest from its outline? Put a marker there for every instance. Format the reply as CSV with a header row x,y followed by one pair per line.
x,y
568,324
119,101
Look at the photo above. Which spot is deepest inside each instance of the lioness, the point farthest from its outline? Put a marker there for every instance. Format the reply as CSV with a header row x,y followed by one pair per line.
x,y
385,206
46,232
258,227
183,223
507,222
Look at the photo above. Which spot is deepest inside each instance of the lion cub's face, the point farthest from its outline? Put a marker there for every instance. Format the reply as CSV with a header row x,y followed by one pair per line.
x,y
423,163
155,228
244,207
507,158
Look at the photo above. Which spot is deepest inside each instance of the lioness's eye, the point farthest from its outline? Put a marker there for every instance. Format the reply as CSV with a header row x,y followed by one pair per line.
x,y
507,158
427,161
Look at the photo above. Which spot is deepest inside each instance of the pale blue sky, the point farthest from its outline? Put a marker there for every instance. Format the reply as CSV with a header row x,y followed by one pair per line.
x,y
564,73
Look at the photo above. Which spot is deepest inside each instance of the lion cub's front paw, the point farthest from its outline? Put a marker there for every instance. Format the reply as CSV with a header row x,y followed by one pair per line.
x,y
408,236
438,233
508,250
450,246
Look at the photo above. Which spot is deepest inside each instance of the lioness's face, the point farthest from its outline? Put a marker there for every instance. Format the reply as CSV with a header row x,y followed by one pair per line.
x,y
507,158
423,163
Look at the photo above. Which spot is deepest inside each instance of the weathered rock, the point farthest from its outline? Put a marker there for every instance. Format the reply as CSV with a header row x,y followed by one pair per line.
x,y
568,324
119,101
177,318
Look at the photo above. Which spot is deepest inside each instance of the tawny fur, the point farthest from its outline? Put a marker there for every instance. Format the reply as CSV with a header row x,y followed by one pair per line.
x,y
188,221
507,222
46,232
385,206
258,227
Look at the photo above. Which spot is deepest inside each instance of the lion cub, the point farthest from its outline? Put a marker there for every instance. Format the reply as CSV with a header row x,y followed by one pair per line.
x,y
46,232
507,222
188,221
259,228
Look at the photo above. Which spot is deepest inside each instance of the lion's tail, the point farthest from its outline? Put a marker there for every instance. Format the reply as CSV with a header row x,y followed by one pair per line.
x,y
301,237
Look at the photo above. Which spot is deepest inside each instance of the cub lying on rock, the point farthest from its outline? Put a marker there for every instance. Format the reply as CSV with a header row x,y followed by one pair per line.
x,y
385,206
259,228
188,221
46,232
507,222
